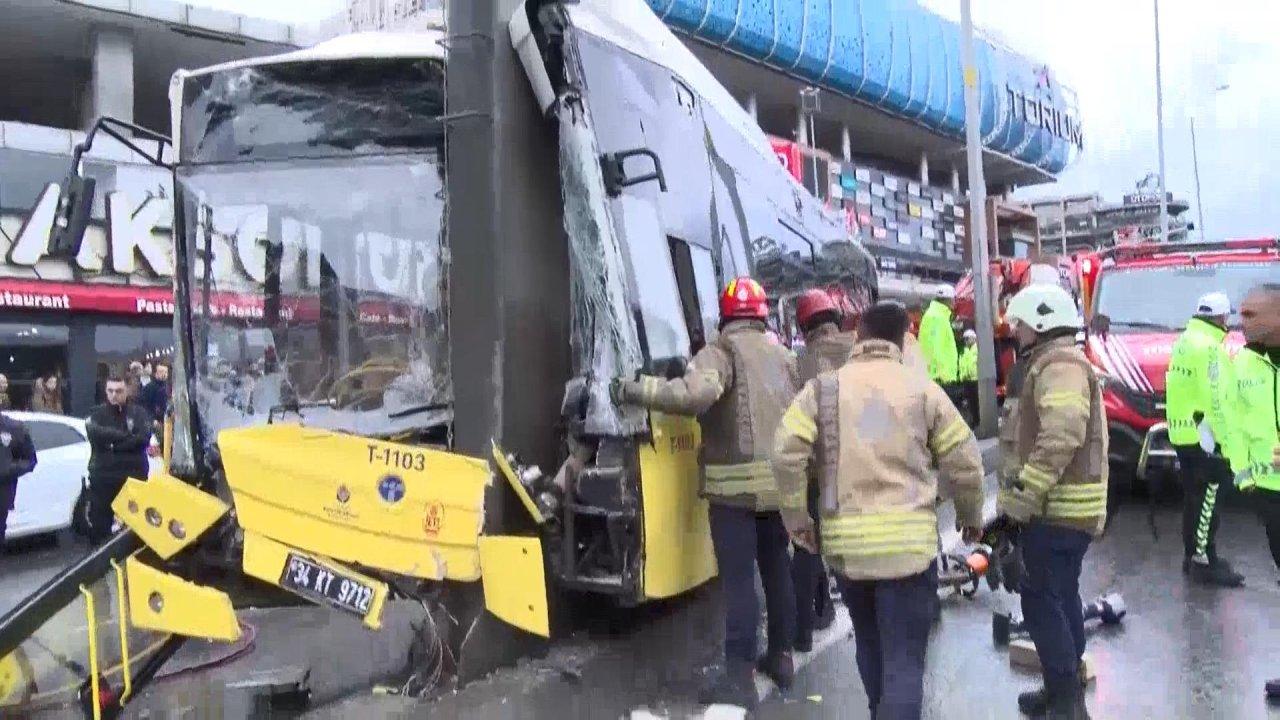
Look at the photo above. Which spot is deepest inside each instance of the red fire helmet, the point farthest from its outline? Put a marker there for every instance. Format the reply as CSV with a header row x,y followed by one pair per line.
x,y
813,302
744,298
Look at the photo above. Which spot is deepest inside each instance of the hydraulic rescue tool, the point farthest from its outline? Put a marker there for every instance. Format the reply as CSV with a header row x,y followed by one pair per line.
x,y
997,558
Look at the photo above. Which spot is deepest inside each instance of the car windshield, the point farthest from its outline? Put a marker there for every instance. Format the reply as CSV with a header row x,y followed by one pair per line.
x,y
1163,298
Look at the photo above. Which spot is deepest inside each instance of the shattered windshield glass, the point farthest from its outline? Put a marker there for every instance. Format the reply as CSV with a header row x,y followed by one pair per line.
x,y
317,292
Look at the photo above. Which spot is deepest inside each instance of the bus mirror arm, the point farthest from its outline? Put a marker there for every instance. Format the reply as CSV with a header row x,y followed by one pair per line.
x,y
75,204
614,168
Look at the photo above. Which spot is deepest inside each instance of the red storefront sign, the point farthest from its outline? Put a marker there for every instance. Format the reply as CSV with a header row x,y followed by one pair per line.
x,y
789,155
136,300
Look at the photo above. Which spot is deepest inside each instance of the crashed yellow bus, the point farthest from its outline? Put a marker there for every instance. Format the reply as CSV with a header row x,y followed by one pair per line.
x,y
446,268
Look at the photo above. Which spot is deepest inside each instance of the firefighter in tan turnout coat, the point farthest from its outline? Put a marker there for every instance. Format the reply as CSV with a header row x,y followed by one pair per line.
x,y
1053,484
876,431
738,386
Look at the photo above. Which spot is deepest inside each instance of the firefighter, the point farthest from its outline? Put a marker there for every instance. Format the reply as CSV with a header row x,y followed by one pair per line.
x,y
739,385
1198,435
938,339
1254,412
874,431
826,348
1053,486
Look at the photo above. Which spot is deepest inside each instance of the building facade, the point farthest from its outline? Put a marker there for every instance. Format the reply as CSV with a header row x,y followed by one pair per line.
x,y
69,63
1094,223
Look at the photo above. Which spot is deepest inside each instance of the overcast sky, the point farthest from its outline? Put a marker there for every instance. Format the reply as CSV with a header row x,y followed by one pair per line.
x,y
1105,50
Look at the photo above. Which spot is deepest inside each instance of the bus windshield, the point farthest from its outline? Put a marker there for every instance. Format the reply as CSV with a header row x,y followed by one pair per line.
x,y
312,256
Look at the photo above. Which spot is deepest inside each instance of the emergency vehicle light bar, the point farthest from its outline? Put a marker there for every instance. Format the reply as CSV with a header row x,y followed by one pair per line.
x,y
1127,252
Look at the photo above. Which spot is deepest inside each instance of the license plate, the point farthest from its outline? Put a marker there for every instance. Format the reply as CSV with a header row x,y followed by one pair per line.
x,y
316,582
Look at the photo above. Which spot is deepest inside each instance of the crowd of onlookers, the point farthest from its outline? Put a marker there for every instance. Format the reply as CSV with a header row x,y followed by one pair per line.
x,y
46,394
147,383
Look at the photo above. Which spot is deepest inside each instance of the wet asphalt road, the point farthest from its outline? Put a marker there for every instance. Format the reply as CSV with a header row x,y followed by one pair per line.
x,y
1183,651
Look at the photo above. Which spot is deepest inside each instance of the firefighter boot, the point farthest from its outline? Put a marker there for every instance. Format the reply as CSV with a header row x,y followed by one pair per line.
x,y
1036,702
1066,703
735,686
780,668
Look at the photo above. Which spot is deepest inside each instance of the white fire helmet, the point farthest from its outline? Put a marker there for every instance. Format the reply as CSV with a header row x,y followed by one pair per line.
x,y
945,292
1043,308
1214,304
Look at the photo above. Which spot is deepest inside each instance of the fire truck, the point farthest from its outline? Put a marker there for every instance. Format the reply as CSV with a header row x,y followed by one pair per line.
x,y
1137,299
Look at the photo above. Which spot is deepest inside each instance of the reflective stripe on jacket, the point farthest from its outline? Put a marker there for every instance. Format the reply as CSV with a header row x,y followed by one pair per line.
x,y
1053,443
876,430
1188,388
938,343
738,387
1257,420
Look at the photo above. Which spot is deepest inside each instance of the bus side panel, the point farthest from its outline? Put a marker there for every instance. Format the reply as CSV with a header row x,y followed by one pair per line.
x,y
677,535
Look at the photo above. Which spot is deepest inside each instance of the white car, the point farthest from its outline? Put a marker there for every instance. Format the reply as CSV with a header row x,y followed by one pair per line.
x,y
52,497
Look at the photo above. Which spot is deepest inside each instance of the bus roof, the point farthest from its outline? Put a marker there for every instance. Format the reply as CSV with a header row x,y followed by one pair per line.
x,y
422,44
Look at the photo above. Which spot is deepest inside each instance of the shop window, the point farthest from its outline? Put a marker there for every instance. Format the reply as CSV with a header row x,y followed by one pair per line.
x,y
118,345
47,435
28,352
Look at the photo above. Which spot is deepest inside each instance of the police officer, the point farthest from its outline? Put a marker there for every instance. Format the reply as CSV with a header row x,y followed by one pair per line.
x,y
738,386
1254,411
875,431
17,458
938,339
1197,435
1054,486
967,375
119,431
826,348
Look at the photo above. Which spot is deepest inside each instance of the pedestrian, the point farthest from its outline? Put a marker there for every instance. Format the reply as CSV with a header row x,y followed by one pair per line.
x,y
1053,487
1198,435
967,375
1254,413
47,395
17,458
119,432
826,348
136,380
938,341
738,386
155,394
5,402
877,433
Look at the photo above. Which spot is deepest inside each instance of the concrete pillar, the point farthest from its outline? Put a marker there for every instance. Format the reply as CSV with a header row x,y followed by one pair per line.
x,y
955,179
924,170
846,144
753,107
111,76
